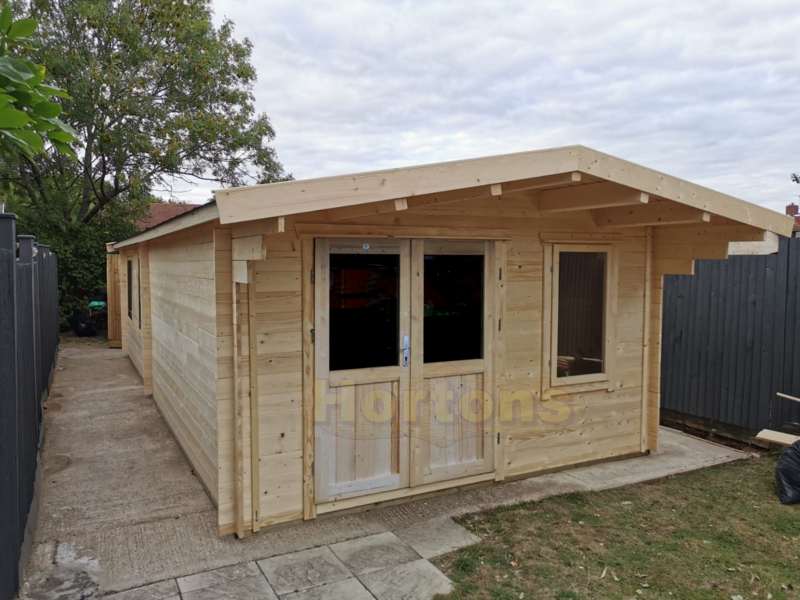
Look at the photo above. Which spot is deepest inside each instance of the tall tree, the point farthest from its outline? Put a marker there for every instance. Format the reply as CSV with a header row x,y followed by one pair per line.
x,y
158,94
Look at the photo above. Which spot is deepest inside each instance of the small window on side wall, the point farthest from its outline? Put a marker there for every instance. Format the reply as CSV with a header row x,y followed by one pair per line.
x,y
139,287
583,277
130,289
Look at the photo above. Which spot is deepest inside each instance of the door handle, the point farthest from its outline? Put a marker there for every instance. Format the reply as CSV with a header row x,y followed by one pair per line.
x,y
406,349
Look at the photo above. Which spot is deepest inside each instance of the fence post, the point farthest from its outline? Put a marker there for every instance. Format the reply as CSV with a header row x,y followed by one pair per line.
x,y
9,399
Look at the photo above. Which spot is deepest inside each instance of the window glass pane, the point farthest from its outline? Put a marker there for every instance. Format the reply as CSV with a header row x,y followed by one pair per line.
x,y
581,307
139,287
453,326
130,289
364,308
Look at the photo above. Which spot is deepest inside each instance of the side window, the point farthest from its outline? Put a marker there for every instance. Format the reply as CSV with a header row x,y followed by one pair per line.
x,y
139,285
582,338
130,289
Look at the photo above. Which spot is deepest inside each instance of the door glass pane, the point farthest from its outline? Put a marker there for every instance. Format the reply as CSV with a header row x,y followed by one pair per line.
x,y
453,326
364,318
581,304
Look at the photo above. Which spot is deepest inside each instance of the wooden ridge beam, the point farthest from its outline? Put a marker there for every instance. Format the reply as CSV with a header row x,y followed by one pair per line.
x,y
659,213
589,197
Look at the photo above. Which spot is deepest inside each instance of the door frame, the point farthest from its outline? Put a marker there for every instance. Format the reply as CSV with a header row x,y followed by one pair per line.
x,y
325,487
494,269
420,456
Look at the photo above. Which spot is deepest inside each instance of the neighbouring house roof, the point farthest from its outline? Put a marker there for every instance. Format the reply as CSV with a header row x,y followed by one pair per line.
x,y
160,212
488,176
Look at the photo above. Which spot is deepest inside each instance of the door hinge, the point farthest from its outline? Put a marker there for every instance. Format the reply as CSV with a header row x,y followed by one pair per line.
x,y
498,437
549,363
313,463
313,276
500,325
551,268
501,273
313,336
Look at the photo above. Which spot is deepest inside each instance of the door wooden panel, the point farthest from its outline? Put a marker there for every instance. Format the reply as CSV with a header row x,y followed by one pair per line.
x,y
361,445
406,423
452,436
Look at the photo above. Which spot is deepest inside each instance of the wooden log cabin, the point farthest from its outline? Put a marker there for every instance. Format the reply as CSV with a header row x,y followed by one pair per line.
x,y
340,343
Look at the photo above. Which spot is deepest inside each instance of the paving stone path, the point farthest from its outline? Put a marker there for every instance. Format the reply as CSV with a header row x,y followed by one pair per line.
x,y
386,566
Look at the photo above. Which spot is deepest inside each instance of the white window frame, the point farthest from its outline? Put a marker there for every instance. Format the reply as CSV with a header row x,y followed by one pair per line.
x,y
609,324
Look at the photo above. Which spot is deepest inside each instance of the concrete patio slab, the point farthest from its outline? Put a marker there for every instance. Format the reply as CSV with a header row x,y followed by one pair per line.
x,y
678,453
217,577
374,552
163,590
303,570
121,509
349,589
418,580
246,588
436,537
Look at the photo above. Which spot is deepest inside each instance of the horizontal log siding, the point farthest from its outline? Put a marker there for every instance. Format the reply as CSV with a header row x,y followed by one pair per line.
x,y
184,344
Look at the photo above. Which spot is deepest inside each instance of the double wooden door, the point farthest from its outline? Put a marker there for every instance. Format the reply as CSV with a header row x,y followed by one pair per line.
x,y
404,346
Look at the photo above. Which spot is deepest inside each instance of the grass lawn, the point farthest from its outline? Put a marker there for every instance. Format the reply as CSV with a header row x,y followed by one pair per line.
x,y
717,533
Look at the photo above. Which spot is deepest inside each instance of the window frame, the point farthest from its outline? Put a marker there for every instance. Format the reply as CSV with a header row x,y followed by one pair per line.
x,y
139,288
129,274
462,248
604,379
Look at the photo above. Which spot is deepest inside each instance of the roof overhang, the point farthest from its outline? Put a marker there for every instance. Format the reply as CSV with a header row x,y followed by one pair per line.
x,y
295,197
463,179
196,216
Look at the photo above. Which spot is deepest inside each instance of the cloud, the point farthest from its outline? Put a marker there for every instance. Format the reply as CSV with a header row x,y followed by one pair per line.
x,y
706,91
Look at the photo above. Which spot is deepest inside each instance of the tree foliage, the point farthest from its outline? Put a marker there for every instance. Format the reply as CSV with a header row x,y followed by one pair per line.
x,y
158,94
81,250
28,113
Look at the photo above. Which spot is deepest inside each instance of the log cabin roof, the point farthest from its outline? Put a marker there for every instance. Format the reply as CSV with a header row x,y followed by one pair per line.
x,y
619,193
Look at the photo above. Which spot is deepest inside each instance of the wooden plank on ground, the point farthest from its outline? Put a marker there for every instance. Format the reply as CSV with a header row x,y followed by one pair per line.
x,y
777,437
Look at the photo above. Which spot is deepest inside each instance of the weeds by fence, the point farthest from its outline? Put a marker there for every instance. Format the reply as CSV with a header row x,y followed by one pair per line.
x,y
28,344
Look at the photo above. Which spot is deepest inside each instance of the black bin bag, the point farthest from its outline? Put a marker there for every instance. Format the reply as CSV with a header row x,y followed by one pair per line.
x,y
80,325
787,475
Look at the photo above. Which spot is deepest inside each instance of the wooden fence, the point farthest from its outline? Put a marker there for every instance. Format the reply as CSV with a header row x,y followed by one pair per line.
x,y
29,333
731,341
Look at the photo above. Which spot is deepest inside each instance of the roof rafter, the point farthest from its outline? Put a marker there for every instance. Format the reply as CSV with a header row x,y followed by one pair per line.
x,y
588,197
658,213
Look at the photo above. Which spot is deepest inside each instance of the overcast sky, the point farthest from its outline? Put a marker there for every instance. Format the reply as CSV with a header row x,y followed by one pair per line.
x,y
704,90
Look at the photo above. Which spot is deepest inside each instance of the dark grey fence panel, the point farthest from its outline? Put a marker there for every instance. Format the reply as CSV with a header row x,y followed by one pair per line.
x,y
729,337
788,411
29,331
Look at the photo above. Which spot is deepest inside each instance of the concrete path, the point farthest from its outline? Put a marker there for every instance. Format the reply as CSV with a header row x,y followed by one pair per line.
x,y
376,567
120,508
